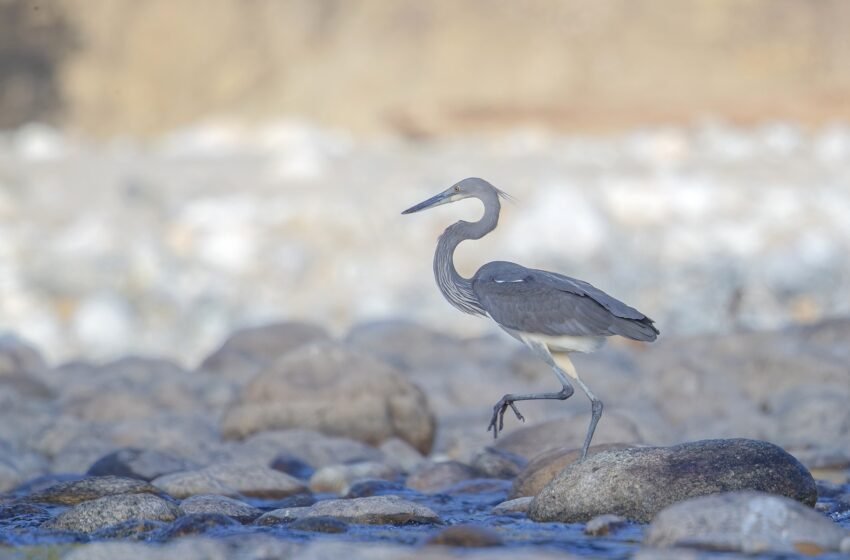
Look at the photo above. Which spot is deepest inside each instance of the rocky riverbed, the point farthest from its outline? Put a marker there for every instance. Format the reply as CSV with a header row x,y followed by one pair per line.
x,y
287,441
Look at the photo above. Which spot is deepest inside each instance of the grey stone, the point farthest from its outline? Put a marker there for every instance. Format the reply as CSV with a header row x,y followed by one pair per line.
x,y
366,488
294,466
91,488
531,441
750,522
337,479
544,467
232,480
144,464
91,516
516,505
374,510
319,524
497,463
249,350
433,477
336,390
400,454
317,449
604,525
637,483
211,503
132,529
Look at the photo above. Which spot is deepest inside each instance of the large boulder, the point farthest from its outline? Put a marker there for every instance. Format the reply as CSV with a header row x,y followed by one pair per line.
x,y
749,522
336,390
636,483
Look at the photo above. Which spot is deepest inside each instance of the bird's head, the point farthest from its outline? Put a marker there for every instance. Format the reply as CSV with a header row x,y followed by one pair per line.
x,y
469,187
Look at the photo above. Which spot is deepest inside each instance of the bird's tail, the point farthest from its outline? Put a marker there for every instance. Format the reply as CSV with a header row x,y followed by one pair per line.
x,y
637,329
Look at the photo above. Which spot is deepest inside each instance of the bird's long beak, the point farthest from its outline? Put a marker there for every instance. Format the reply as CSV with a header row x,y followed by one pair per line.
x,y
442,198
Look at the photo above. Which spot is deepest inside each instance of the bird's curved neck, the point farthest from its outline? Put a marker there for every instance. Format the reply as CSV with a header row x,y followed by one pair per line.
x,y
454,287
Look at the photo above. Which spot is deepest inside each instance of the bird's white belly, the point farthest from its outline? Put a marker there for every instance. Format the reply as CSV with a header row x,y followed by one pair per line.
x,y
561,343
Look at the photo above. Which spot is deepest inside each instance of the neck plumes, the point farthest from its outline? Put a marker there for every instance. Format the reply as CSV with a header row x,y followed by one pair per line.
x,y
455,288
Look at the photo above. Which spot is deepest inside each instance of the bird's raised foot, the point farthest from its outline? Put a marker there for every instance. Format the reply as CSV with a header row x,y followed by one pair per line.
x,y
497,421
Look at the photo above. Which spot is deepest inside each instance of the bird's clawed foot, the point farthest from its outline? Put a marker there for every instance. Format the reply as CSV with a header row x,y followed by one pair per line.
x,y
497,421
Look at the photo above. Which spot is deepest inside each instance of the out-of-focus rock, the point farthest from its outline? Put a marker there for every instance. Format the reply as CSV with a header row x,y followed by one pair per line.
x,y
232,480
336,390
315,448
144,464
516,505
19,358
636,483
196,524
496,463
250,350
433,477
567,432
319,524
401,454
337,479
602,525
749,522
466,536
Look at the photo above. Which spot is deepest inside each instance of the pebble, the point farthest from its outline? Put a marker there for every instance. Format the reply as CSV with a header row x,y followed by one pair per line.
x,y
433,477
319,524
196,524
337,479
516,505
90,516
496,463
91,488
211,503
374,510
233,480
466,536
636,483
144,464
749,522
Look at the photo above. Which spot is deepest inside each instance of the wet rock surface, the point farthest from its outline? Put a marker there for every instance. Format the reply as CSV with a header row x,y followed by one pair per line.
x,y
636,483
749,522
211,503
91,488
231,479
90,516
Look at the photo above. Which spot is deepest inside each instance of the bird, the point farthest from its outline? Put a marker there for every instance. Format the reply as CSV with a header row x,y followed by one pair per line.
x,y
552,314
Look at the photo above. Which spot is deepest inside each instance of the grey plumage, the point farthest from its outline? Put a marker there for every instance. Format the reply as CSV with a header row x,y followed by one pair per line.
x,y
548,312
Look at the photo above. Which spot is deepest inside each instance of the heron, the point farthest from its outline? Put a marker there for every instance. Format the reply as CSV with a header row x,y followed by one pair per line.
x,y
552,314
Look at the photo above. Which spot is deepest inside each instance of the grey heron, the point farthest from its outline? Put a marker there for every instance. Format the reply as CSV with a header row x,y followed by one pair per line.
x,y
554,315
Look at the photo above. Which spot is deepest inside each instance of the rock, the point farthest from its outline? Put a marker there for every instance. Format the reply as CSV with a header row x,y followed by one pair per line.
x,y
466,536
567,432
337,479
749,522
335,390
517,505
602,525
366,488
546,466
498,486
496,463
317,449
196,524
132,529
144,464
292,465
249,350
804,410
375,510
91,488
296,501
401,454
88,517
281,516
18,358
636,483
319,524
432,477
232,480
211,503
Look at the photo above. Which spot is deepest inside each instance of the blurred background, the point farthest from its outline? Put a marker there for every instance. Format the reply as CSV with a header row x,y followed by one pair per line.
x,y
172,170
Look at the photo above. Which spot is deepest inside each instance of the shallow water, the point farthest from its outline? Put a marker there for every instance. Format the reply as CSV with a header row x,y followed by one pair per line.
x,y
516,530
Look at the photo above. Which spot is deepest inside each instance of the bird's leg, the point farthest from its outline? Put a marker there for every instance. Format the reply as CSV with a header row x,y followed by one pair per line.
x,y
595,403
497,421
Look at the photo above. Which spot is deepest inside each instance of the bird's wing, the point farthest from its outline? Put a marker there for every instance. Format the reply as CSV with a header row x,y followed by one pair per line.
x,y
543,302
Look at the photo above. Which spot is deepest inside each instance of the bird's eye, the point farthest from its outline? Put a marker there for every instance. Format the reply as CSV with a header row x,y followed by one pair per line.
x,y
457,189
